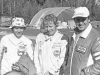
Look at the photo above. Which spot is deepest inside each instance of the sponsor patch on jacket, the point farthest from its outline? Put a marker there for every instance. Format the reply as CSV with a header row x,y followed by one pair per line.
x,y
81,49
56,49
56,45
56,53
40,43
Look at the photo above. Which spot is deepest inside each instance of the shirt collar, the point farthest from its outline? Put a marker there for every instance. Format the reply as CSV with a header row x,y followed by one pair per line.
x,y
15,40
85,33
51,37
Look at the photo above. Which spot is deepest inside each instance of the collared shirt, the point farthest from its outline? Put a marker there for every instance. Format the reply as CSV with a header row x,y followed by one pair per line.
x,y
85,33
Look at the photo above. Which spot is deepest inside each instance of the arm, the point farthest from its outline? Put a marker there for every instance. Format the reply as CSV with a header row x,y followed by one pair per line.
x,y
62,54
94,69
30,50
2,48
64,50
36,58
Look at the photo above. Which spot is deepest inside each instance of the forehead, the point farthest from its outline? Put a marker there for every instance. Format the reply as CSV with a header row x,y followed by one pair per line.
x,y
16,27
49,24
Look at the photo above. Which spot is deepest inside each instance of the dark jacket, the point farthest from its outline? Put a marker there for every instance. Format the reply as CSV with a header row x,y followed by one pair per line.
x,y
26,65
78,57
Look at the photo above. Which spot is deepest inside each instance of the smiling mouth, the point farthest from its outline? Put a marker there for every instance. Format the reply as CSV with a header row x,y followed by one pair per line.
x,y
81,26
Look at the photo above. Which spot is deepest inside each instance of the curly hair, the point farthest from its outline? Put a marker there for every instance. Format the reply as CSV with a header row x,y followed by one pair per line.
x,y
48,19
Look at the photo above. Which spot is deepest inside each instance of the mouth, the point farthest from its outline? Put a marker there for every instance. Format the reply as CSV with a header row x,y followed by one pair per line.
x,y
80,26
18,32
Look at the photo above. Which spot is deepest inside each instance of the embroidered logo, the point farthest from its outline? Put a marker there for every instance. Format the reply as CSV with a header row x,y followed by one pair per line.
x,y
81,49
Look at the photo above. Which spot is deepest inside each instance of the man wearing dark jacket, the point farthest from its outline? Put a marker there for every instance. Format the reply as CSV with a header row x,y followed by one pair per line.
x,y
84,53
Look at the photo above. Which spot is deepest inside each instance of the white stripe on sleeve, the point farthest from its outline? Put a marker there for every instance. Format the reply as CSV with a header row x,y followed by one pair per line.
x,y
96,54
97,58
90,60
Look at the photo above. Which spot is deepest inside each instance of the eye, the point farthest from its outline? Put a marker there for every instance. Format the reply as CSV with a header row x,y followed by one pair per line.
x,y
79,19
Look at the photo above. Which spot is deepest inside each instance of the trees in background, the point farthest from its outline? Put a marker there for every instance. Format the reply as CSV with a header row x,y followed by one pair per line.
x,y
28,8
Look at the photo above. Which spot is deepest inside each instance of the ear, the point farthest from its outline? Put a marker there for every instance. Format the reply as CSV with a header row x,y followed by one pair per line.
x,y
58,23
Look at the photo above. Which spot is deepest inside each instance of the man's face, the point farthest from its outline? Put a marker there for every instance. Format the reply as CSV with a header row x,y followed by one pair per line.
x,y
18,31
50,28
81,23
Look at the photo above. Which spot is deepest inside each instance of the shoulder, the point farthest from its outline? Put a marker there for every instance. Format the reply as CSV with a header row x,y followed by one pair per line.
x,y
26,39
95,33
6,36
64,36
94,36
40,35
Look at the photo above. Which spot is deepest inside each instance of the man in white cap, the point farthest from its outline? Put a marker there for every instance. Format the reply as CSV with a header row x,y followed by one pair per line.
x,y
13,45
84,43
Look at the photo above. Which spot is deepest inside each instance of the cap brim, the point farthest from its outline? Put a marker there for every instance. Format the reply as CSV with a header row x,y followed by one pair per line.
x,y
78,16
18,26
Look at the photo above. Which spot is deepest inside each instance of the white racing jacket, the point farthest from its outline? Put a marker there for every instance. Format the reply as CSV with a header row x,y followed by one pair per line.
x,y
10,48
50,52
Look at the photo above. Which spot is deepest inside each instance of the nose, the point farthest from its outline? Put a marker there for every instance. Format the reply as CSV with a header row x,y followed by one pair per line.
x,y
48,28
80,23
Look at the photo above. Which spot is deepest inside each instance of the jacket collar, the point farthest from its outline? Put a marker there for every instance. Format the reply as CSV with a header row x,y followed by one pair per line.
x,y
15,40
51,37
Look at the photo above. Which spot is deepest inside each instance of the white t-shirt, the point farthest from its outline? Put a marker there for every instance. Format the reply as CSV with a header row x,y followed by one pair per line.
x,y
13,46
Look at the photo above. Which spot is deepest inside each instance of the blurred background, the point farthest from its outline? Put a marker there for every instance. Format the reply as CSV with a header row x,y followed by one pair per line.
x,y
28,9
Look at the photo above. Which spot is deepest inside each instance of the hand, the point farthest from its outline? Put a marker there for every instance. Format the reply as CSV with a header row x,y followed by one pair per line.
x,y
15,67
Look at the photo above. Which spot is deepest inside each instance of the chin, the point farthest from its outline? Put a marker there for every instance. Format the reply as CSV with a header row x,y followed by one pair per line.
x,y
18,36
78,30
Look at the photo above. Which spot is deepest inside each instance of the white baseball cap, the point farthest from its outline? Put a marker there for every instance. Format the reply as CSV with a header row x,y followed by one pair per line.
x,y
17,21
81,12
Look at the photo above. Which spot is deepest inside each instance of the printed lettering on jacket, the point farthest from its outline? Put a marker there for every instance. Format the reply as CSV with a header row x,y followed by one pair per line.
x,y
56,49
